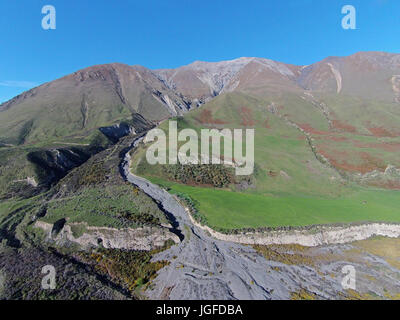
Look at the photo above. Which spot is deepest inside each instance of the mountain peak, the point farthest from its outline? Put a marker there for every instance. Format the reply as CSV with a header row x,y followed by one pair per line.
x,y
203,80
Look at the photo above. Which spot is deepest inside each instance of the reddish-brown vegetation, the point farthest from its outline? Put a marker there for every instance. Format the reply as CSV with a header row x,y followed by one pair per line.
x,y
382,132
386,146
206,117
393,185
246,115
366,162
272,173
335,138
307,128
342,126
266,124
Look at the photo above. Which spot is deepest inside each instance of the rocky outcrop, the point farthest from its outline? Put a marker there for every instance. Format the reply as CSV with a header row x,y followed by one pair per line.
x,y
136,124
145,238
117,131
395,80
53,164
338,77
388,178
29,181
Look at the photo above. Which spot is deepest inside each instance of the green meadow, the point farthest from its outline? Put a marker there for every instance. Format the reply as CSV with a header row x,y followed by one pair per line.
x,y
224,209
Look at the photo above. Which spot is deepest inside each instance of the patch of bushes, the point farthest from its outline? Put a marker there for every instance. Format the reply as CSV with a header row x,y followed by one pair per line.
x,y
216,175
144,218
131,269
303,294
22,269
288,257
93,174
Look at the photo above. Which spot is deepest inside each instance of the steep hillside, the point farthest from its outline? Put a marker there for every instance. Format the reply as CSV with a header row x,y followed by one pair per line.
x,y
57,126
369,75
84,226
77,104
326,145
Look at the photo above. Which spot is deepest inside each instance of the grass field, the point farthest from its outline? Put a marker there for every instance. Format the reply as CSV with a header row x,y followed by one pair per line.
x,y
111,206
233,210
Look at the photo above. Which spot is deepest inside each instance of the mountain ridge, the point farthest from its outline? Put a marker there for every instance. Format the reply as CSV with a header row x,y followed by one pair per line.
x,y
205,66
106,94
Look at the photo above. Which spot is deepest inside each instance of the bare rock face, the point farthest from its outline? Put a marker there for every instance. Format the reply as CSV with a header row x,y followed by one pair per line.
x,y
392,172
117,131
321,236
389,177
136,125
55,163
201,81
145,238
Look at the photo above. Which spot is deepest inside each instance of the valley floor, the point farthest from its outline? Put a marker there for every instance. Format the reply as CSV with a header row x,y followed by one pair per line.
x,y
202,267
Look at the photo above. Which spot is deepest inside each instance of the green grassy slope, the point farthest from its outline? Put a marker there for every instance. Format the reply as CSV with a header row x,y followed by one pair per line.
x,y
284,161
290,186
95,193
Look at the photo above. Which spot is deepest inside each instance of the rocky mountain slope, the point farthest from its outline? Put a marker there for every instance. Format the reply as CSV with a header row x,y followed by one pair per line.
x,y
86,100
105,94
364,74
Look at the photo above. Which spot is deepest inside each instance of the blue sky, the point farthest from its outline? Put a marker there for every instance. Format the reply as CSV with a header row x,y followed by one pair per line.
x,y
171,33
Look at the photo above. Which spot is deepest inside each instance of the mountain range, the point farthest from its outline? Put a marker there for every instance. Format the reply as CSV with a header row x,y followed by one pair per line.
x,y
106,94
327,145
342,102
